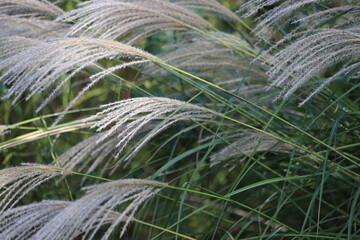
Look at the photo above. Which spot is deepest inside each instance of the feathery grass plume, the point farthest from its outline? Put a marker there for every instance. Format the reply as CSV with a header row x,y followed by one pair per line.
x,y
40,64
23,222
312,54
247,143
275,15
32,8
320,18
87,214
137,113
30,27
15,182
28,18
132,19
316,13
315,50
15,46
91,153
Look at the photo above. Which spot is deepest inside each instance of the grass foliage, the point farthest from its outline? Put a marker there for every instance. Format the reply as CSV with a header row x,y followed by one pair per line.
x,y
179,119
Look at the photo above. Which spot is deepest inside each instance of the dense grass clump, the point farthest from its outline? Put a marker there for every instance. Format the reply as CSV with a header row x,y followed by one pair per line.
x,y
179,119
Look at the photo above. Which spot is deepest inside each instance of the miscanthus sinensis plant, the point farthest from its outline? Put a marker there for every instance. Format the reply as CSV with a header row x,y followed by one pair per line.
x,y
179,119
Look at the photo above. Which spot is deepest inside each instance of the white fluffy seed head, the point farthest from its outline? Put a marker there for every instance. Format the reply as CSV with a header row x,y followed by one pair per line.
x,y
22,222
36,65
86,215
12,26
42,8
127,118
52,220
133,19
312,50
15,182
312,54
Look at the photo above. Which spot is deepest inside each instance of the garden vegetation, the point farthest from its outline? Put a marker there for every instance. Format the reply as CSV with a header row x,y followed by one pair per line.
x,y
179,119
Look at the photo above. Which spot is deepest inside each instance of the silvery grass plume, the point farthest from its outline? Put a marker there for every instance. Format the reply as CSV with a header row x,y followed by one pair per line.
x,y
137,113
36,65
348,16
30,18
30,27
248,142
281,10
86,215
23,222
15,46
312,51
132,19
30,8
312,54
92,154
216,56
15,182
